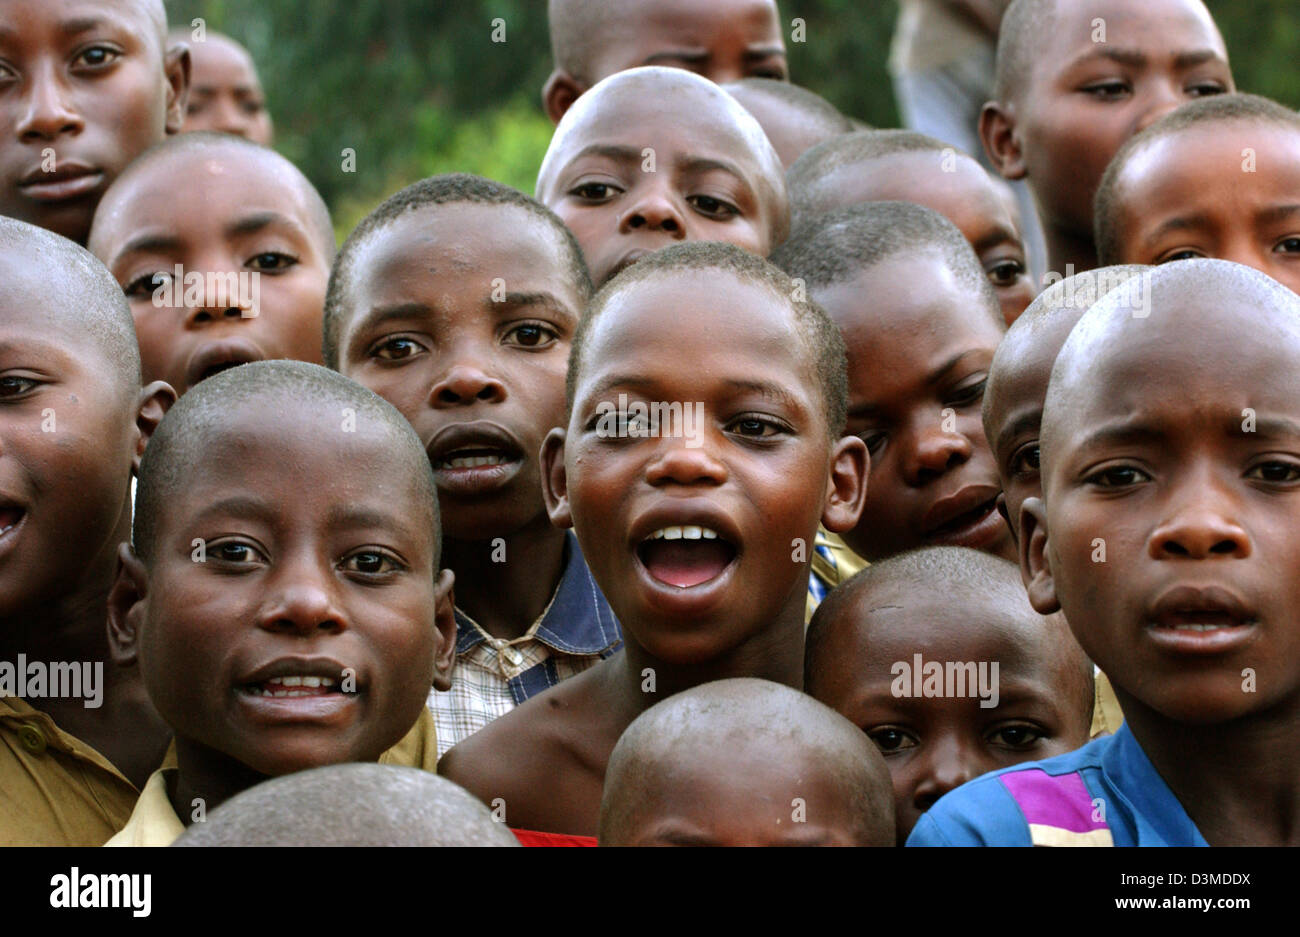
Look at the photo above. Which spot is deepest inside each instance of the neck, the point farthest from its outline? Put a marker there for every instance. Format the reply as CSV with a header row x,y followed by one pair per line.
x,y
208,778
505,585
1240,786
1069,252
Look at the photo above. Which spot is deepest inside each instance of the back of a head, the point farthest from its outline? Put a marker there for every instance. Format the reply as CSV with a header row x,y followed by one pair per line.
x,y
180,445
351,805
1205,112
743,722
794,118
448,189
45,272
838,245
810,180
1020,37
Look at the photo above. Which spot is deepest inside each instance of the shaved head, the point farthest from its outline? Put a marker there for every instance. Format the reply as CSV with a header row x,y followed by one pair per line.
x,y
1020,38
744,733
351,805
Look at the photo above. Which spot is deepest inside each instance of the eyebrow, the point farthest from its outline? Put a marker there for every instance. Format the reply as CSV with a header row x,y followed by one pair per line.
x,y
1277,213
354,515
381,315
1120,434
240,505
1177,223
1028,420
766,388
148,242
1000,234
541,298
1137,59
258,221
1270,426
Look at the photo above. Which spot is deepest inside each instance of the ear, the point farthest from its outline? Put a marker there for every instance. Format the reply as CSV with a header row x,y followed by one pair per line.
x,y
555,482
1035,569
559,93
444,620
125,607
176,66
155,400
1001,505
847,489
1001,141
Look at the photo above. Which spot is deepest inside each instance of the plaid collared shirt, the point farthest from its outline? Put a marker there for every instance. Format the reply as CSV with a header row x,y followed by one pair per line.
x,y
493,676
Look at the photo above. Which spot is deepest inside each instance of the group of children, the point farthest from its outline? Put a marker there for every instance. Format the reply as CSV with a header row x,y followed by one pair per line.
x,y
541,493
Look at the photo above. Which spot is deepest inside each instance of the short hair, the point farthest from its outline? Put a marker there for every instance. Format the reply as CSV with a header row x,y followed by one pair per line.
x,y
180,446
354,804
77,287
745,713
1219,108
960,573
822,113
820,336
840,244
807,176
1020,39
182,145
449,189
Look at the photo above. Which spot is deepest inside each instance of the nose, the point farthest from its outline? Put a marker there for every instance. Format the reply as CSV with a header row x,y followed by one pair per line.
x,y
1164,97
677,463
222,297
302,600
1199,525
229,119
934,451
948,765
653,210
465,384
49,112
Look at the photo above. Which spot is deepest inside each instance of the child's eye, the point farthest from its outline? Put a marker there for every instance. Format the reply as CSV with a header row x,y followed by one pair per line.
x,y
969,395
594,191
97,57
371,563
1111,90
1290,245
252,108
1275,471
1024,461
271,261
1184,253
11,385
1120,476
531,335
397,349
1005,272
756,427
233,551
889,739
713,207
146,284
1017,737
1204,89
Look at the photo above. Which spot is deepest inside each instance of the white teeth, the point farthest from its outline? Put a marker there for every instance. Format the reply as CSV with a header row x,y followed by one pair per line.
x,y
280,693
473,461
687,532
291,681
311,681
326,682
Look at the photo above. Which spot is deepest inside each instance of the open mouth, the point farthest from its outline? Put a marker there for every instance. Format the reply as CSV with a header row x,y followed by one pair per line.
x,y
685,556
1201,620
294,686
220,356
968,518
474,457
10,517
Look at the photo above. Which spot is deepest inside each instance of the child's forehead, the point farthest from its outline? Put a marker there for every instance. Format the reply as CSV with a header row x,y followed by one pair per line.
x,y
1225,149
643,33
62,20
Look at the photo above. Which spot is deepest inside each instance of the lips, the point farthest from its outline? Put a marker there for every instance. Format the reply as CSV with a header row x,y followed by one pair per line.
x,y
70,179
1201,619
968,518
684,547
626,261
12,516
474,458
213,357
296,689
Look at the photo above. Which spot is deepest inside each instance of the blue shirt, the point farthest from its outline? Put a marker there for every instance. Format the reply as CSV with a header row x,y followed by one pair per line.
x,y
1105,794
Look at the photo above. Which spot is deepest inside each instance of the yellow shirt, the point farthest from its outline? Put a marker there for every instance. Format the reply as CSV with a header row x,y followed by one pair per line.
x,y
154,821
1106,715
56,789
831,574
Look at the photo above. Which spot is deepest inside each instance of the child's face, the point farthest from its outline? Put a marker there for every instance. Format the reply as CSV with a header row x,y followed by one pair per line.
x,y
791,131
84,88
723,40
325,573
743,797
959,189
754,467
933,744
1187,473
225,94
67,439
253,239
1194,194
919,353
1015,408
462,319
709,180
1087,97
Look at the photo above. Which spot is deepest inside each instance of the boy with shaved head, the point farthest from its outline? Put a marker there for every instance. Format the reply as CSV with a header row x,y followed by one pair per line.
x,y
226,95
745,762
654,156
73,424
92,85
1169,440
723,40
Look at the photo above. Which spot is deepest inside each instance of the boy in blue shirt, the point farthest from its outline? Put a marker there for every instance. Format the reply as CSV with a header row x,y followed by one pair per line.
x,y
1170,455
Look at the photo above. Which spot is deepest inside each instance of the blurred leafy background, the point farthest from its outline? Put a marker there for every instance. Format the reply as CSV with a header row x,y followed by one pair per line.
x,y
418,87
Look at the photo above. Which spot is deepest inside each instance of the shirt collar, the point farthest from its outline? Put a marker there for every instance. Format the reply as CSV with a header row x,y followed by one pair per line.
x,y
578,619
1157,810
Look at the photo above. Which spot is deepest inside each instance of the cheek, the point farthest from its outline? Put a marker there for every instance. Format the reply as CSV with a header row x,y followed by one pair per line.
x,y
130,109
